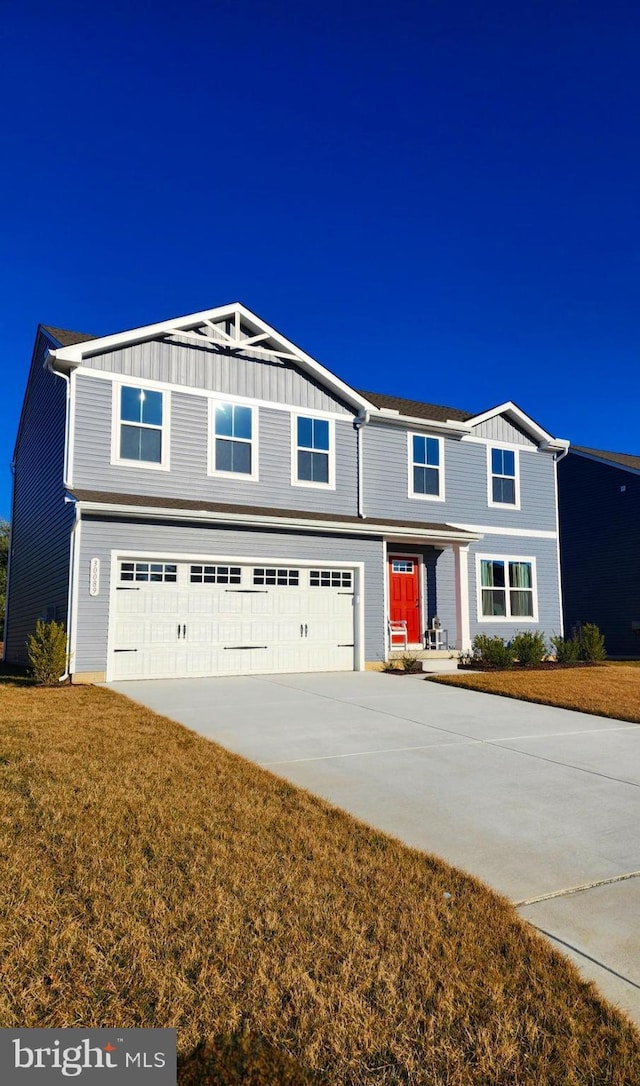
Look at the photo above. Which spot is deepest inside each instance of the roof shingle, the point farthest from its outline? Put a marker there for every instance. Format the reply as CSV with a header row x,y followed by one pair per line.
x,y
435,412
626,460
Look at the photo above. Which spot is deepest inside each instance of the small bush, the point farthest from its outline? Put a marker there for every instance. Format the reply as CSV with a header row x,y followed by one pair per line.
x,y
529,648
567,651
409,662
492,651
47,652
591,643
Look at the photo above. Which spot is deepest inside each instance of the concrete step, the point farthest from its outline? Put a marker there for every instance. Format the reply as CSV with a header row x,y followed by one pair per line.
x,y
440,666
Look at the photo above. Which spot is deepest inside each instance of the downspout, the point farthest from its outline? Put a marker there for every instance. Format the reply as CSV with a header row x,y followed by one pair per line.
x,y
8,592
73,537
50,356
557,457
359,422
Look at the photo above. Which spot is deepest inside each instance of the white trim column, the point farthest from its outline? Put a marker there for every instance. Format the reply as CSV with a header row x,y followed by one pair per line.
x,y
461,562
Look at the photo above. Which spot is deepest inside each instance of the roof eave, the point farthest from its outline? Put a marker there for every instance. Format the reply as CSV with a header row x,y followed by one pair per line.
x,y
362,527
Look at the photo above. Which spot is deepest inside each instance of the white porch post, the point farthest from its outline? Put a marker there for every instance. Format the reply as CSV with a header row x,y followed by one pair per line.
x,y
461,559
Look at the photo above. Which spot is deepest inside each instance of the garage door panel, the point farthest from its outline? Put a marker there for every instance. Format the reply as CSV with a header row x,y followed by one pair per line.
x,y
217,619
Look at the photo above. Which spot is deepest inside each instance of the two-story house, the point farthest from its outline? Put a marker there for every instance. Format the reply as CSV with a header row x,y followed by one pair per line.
x,y
599,495
201,497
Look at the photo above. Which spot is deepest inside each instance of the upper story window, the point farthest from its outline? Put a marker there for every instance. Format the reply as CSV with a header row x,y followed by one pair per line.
x,y
426,467
234,450
506,588
142,430
503,477
313,453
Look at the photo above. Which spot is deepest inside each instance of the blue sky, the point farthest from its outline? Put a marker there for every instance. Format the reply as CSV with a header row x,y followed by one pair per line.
x,y
438,200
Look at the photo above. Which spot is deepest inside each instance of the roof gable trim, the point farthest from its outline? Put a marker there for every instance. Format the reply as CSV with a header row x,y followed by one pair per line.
x,y
204,328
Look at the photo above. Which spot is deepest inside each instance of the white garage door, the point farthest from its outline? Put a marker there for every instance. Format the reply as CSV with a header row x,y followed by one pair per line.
x,y
174,619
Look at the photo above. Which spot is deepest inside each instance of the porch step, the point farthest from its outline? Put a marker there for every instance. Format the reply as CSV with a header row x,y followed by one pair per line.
x,y
440,666
424,654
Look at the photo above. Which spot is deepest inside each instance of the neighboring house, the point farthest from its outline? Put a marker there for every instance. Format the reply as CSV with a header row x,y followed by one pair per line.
x,y
200,497
600,544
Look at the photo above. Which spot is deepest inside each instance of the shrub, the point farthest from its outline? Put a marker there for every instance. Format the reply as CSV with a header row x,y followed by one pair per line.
x,y
409,662
591,643
529,648
567,651
492,651
47,652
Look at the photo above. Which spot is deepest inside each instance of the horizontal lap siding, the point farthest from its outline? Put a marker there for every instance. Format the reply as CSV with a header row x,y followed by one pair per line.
x,y
100,537
600,549
549,607
188,476
218,371
386,484
42,520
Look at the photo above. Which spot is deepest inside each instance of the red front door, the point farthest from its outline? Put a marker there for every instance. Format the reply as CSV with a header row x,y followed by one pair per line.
x,y
404,595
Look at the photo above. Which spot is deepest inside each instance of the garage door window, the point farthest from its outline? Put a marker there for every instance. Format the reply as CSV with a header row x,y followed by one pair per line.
x,y
158,572
215,575
330,578
283,577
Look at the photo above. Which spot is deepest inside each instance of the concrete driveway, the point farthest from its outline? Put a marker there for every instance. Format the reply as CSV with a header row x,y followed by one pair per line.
x,y
541,803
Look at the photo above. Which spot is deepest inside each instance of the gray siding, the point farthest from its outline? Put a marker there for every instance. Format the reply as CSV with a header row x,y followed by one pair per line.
x,y
549,605
188,475
217,371
41,520
500,429
600,549
386,484
99,537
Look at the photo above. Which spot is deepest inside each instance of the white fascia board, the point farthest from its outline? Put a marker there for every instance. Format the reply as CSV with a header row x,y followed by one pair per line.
x,y
366,527
393,418
525,421
73,356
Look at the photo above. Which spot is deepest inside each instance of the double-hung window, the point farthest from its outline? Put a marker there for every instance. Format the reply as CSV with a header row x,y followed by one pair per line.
x,y
425,467
233,440
313,451
503,477
141,426
506,588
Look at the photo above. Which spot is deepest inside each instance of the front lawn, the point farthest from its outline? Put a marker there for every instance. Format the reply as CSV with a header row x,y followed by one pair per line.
x,y
612,690
152,878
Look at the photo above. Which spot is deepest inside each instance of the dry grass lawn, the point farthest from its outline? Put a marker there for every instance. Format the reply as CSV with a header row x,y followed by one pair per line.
x,y
613,690
152,878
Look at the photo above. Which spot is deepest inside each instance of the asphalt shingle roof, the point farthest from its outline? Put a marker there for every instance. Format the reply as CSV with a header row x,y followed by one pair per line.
x,y
626,460
435,412
64,337
146,501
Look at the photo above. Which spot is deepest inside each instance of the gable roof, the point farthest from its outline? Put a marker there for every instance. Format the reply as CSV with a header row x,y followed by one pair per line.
x,y
236,329
623,460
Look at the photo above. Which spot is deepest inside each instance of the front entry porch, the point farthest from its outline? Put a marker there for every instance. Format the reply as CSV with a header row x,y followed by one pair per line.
x,y
427,598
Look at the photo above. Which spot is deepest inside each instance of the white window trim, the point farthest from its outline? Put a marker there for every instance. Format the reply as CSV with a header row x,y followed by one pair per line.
x,y
516,465
211,430
331,485
516,620
144,465
440,496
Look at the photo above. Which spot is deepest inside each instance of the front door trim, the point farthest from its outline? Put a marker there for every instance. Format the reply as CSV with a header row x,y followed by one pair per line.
x,y
416,557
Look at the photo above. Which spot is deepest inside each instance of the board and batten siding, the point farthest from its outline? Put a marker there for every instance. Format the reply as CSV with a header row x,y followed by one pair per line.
x,y
41,519
215,370
187,477
600,549
386,484
100,536
500,429
545,553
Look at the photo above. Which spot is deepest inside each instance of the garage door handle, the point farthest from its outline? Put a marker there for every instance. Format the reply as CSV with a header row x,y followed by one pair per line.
x,y
306,631
178,629
184,631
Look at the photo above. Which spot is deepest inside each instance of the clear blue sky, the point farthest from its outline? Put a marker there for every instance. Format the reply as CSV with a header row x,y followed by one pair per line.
x,y
438,200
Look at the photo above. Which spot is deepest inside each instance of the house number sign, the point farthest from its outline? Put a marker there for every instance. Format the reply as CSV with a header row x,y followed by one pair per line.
x,y
94,577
